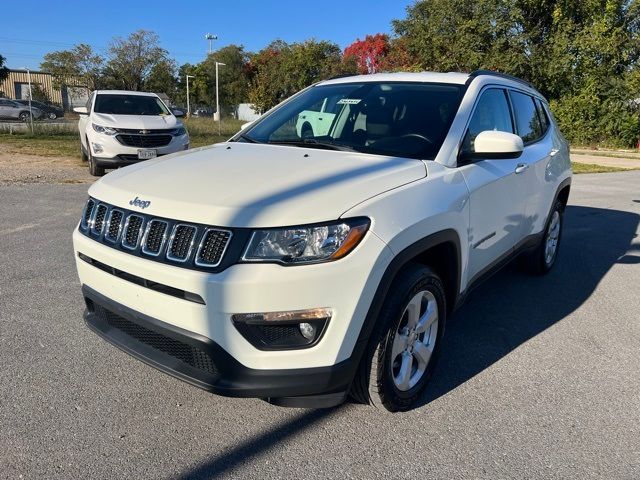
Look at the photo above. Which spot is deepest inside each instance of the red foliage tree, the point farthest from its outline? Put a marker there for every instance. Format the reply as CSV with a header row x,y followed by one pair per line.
x,y
369,52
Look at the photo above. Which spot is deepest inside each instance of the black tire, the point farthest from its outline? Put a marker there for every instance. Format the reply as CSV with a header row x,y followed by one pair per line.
x,y
83,153
374,382
306,131
52,115
94,169
24,116
537,261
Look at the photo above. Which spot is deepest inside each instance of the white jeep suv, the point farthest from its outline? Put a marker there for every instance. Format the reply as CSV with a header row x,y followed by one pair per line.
x,y
300,269
119,128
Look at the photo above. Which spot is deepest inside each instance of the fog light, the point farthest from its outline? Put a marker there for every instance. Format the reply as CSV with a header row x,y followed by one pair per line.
x,y
307,330
97,148
283,330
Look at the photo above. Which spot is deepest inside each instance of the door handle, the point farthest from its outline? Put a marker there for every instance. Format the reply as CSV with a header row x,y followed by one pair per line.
x,y
521,167
553,152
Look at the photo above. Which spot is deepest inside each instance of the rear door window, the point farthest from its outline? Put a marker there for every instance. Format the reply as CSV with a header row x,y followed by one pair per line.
x,y
528,124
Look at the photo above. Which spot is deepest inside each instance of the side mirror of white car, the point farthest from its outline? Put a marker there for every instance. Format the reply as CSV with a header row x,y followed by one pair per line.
x,y
177,113
492,144
81,110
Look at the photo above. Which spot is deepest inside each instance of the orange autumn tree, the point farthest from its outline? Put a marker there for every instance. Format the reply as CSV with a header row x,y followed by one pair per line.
x,y
368,53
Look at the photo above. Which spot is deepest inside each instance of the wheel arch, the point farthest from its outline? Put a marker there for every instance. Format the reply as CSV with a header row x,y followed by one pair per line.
x,y
440,251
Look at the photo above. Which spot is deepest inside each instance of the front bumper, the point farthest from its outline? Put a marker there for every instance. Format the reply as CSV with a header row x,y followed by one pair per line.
x,y
201,362
114,154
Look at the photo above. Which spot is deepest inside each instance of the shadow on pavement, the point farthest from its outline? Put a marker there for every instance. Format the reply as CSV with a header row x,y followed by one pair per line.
x,y
228,460
500,315
513,307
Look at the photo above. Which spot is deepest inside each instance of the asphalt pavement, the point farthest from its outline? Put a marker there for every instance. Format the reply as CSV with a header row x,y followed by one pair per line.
x,y
539,378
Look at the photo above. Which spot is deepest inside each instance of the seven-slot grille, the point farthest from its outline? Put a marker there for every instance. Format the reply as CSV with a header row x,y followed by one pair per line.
x,y
154,237
113,225
212,247
159,239
181,242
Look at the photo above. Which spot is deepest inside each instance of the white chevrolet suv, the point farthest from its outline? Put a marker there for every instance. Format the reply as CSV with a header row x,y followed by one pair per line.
x,y
119,128
302,269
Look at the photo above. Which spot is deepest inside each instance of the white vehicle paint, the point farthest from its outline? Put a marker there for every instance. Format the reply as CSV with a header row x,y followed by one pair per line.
x,y
316,237
119,128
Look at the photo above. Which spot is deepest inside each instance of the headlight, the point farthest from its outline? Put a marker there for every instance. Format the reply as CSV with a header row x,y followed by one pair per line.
x,y
306,244
179,132
105,130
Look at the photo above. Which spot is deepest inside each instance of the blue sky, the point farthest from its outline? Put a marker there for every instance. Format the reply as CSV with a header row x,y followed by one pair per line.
x,y
58,25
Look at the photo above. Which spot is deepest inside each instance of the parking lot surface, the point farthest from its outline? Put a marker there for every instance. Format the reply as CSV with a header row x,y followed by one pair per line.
x,y
539,376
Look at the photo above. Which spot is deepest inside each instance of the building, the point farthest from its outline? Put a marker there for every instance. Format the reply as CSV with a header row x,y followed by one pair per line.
x,y
72,93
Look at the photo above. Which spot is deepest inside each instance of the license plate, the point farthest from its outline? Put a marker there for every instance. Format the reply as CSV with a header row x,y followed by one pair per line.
x,y
147,154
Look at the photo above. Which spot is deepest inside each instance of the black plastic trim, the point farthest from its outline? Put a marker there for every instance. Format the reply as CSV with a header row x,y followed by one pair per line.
x,y
233,379
143,282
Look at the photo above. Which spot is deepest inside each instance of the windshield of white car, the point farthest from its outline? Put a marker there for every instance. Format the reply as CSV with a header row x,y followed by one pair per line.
x,y
403,119
119,104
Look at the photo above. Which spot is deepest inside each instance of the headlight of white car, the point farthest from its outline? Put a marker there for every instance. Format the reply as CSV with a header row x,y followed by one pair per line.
x,y
306,244
105,130
179,131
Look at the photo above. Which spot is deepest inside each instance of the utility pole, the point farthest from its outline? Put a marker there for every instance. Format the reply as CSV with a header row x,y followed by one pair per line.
x,y
211,38
188,107
30,95
218,100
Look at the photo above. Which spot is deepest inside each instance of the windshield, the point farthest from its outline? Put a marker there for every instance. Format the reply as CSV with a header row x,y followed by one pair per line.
x,y
393,118
129,105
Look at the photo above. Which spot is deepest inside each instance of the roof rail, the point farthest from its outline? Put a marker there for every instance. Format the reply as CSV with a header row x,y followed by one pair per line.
x,y
477,73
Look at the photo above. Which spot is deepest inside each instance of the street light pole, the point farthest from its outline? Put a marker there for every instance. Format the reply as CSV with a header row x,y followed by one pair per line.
x,y
188,107
218,100
211,38
30,95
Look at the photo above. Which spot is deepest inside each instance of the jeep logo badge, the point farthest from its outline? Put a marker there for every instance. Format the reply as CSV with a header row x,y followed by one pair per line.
x,y
136,202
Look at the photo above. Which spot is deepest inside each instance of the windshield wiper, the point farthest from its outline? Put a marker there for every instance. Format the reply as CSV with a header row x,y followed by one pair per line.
x,y
313,143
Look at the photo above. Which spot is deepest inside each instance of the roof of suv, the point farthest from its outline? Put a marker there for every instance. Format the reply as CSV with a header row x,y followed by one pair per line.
x,y
456,78
125,92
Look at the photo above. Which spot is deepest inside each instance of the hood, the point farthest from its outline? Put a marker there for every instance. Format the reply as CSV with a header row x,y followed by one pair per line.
x,y
142,122
255,185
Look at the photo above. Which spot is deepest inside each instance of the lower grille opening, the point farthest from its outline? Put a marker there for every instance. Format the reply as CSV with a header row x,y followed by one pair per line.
x,y
189,354
143,282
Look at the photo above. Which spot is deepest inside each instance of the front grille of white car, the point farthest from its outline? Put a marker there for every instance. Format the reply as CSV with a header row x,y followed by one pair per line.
x,y
160,239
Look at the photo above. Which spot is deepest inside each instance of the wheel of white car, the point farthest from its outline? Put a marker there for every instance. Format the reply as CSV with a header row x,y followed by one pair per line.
x,y
405,344
24,116
306,131
542,259
94,169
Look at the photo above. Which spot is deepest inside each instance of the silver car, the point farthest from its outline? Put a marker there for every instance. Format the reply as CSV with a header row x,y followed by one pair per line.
x,y
13,110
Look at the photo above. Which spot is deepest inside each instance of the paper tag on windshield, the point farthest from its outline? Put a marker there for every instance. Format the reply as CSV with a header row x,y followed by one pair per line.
x,y
349,101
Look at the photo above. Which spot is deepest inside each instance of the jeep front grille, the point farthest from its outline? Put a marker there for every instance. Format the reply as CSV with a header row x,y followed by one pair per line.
x,y
161,239
132,231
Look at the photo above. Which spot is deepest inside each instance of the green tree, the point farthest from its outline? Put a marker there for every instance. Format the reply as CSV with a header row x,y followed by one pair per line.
x,y
162,79
280,70
78,63
4,72
131,59
233,77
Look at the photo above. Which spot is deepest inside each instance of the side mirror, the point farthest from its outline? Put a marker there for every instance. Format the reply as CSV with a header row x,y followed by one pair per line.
x,y
245,125
178,113
81,110
492,144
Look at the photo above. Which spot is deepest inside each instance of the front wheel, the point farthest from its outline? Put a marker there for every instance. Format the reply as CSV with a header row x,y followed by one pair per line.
x,y
94,169
24,117
405,344
52,115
